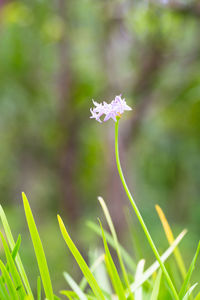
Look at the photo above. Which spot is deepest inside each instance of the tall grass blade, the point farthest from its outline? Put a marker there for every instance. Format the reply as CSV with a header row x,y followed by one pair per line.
x,y
156,287
3,291
114,235
189,274
116,281
9,283
39,251
170,238
138,276
126,256
79,259
12,246
13,270
75,286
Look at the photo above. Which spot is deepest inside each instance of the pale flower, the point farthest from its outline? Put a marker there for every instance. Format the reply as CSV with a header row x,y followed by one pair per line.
x,y
110,110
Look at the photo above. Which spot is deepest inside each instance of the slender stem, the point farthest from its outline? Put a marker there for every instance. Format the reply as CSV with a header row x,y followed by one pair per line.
x,y
148,236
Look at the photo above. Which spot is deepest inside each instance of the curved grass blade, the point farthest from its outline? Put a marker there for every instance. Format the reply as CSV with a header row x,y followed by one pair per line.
x,y
189,274
116,281
114,235
39,251
79,259
74,286
13,270
170,238
156,287
186,297
8,281
126,256
17,258
138,275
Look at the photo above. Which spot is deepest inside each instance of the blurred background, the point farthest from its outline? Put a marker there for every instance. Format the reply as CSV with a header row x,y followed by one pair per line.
x,y
55,57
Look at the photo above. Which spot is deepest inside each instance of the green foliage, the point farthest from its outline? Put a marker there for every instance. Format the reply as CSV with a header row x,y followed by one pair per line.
x,y
12,283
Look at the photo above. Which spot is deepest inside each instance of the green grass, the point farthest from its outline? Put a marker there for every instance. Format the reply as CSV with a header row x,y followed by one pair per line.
x,y
128,281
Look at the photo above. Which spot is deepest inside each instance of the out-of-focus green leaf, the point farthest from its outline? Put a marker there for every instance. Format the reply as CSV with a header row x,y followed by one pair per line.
x,y
156,287
75,286
138,276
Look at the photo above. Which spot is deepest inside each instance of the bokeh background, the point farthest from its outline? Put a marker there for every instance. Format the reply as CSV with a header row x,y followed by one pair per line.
x,y
55,57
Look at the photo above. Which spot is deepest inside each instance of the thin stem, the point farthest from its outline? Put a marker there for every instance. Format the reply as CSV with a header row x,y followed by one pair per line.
x,y
148,236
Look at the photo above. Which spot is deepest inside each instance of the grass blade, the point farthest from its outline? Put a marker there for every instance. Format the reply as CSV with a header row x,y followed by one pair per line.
x,y
115,239
75,286
13,270
3,291
189,273
170,238
12,246
116,281
126,256
39,251
79,259
138,275
156,287
189,292
8,281
16,248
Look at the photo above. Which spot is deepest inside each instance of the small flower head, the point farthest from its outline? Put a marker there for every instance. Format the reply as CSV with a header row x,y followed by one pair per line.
x,y
110,110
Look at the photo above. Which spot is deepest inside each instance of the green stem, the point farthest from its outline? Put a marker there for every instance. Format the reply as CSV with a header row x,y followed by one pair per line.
x,y
148,236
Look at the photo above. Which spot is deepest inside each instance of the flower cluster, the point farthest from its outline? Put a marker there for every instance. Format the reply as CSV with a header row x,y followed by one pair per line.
x,y
110,110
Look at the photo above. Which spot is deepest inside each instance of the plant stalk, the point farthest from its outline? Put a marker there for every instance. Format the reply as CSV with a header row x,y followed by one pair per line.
x,y
137,212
